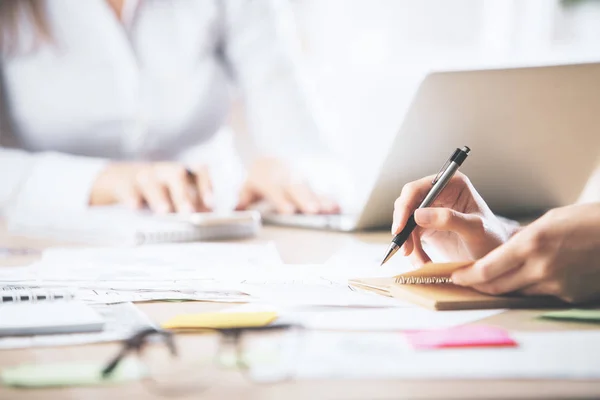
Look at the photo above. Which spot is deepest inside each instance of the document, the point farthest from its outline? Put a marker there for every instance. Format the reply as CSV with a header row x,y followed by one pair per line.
x,y
121,321
329,293
108,296
172,262
313,285
393,319
191,271
539,355
371,254
229,272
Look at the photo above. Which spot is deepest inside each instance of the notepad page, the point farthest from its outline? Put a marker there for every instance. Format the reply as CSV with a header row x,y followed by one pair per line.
x,y
120,226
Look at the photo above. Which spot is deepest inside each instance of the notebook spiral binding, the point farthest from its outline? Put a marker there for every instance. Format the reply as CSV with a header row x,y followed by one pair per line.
x,y
15,294
421,280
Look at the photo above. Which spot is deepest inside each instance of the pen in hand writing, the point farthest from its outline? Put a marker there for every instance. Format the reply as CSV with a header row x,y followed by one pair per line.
x,y
439,183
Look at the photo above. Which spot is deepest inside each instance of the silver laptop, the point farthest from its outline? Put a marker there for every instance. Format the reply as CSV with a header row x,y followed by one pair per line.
x,y
534,134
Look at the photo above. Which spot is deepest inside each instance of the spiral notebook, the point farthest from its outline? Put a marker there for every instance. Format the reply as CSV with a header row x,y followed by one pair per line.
x,y
17,294
119,226
50,317
431,286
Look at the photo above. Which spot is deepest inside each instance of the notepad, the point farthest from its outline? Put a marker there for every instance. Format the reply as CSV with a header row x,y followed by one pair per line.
x,y
25,318
119,226
431,286
220,320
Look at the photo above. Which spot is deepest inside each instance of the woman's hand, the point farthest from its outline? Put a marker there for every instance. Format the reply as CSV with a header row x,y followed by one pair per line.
x,y
272,180
164,187
459,224
559,255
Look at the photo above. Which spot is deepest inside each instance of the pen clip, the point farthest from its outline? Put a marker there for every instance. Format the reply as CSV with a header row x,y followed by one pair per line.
x,y
441,171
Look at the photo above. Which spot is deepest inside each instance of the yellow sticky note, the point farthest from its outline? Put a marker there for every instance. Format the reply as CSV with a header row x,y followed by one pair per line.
x,y
220,320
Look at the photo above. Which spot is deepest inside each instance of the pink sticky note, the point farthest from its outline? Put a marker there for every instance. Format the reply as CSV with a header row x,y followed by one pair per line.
x,y
460,336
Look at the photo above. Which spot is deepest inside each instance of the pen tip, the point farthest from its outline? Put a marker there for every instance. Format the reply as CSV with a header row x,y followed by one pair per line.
x,y
391,251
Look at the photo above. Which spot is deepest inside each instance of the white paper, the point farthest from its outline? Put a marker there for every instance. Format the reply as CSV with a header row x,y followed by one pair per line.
x,y
540,355
210,272
107,296
393,319
153,262
230,272
311,294
314,285
371,254
121,322
191,271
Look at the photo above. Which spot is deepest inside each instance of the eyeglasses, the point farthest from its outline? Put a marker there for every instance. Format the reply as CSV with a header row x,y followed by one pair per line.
x,y
177,364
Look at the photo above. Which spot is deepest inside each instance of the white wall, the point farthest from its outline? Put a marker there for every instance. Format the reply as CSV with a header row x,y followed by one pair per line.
x,y
366,56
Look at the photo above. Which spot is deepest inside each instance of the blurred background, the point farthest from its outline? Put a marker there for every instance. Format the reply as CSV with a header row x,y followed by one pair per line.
x,y
365,58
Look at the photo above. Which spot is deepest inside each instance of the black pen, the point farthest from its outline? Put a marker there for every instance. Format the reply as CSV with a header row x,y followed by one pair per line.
x,y
439,183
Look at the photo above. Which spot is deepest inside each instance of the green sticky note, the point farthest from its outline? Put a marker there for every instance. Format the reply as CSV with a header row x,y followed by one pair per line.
x,y
70,374
574,315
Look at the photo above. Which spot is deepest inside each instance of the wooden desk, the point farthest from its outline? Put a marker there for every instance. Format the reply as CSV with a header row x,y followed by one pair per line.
x,y
296,246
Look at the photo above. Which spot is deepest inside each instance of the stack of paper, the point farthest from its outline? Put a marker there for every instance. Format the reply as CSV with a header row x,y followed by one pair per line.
x,y
195,271
223,272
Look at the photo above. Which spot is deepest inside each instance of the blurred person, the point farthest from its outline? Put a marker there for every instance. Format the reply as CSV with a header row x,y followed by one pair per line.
x,y
103,99
558,254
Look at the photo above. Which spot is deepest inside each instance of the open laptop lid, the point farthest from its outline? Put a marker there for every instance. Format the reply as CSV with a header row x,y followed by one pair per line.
x,y
534,132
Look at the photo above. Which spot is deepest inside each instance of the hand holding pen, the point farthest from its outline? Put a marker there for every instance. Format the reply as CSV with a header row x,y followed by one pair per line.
x,y
457,223
438,184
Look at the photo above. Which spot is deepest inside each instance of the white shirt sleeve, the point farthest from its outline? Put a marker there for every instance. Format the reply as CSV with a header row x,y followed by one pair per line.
x,y
46,180
43,180
591,193
261,50
49,180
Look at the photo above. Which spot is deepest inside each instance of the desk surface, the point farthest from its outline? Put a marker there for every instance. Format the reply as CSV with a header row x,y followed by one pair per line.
x,y
296,246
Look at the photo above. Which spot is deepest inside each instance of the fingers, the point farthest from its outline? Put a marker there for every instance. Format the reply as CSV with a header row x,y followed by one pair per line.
x,y
155,193
328,206
130,196
498,262
303,198
182,190
288,199
418,256
246,197
468,226
546,288
512,281
408,246
204,189
410,197
277,197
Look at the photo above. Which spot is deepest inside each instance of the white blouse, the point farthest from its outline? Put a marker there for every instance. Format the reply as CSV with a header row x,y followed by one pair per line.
x,y
149,87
